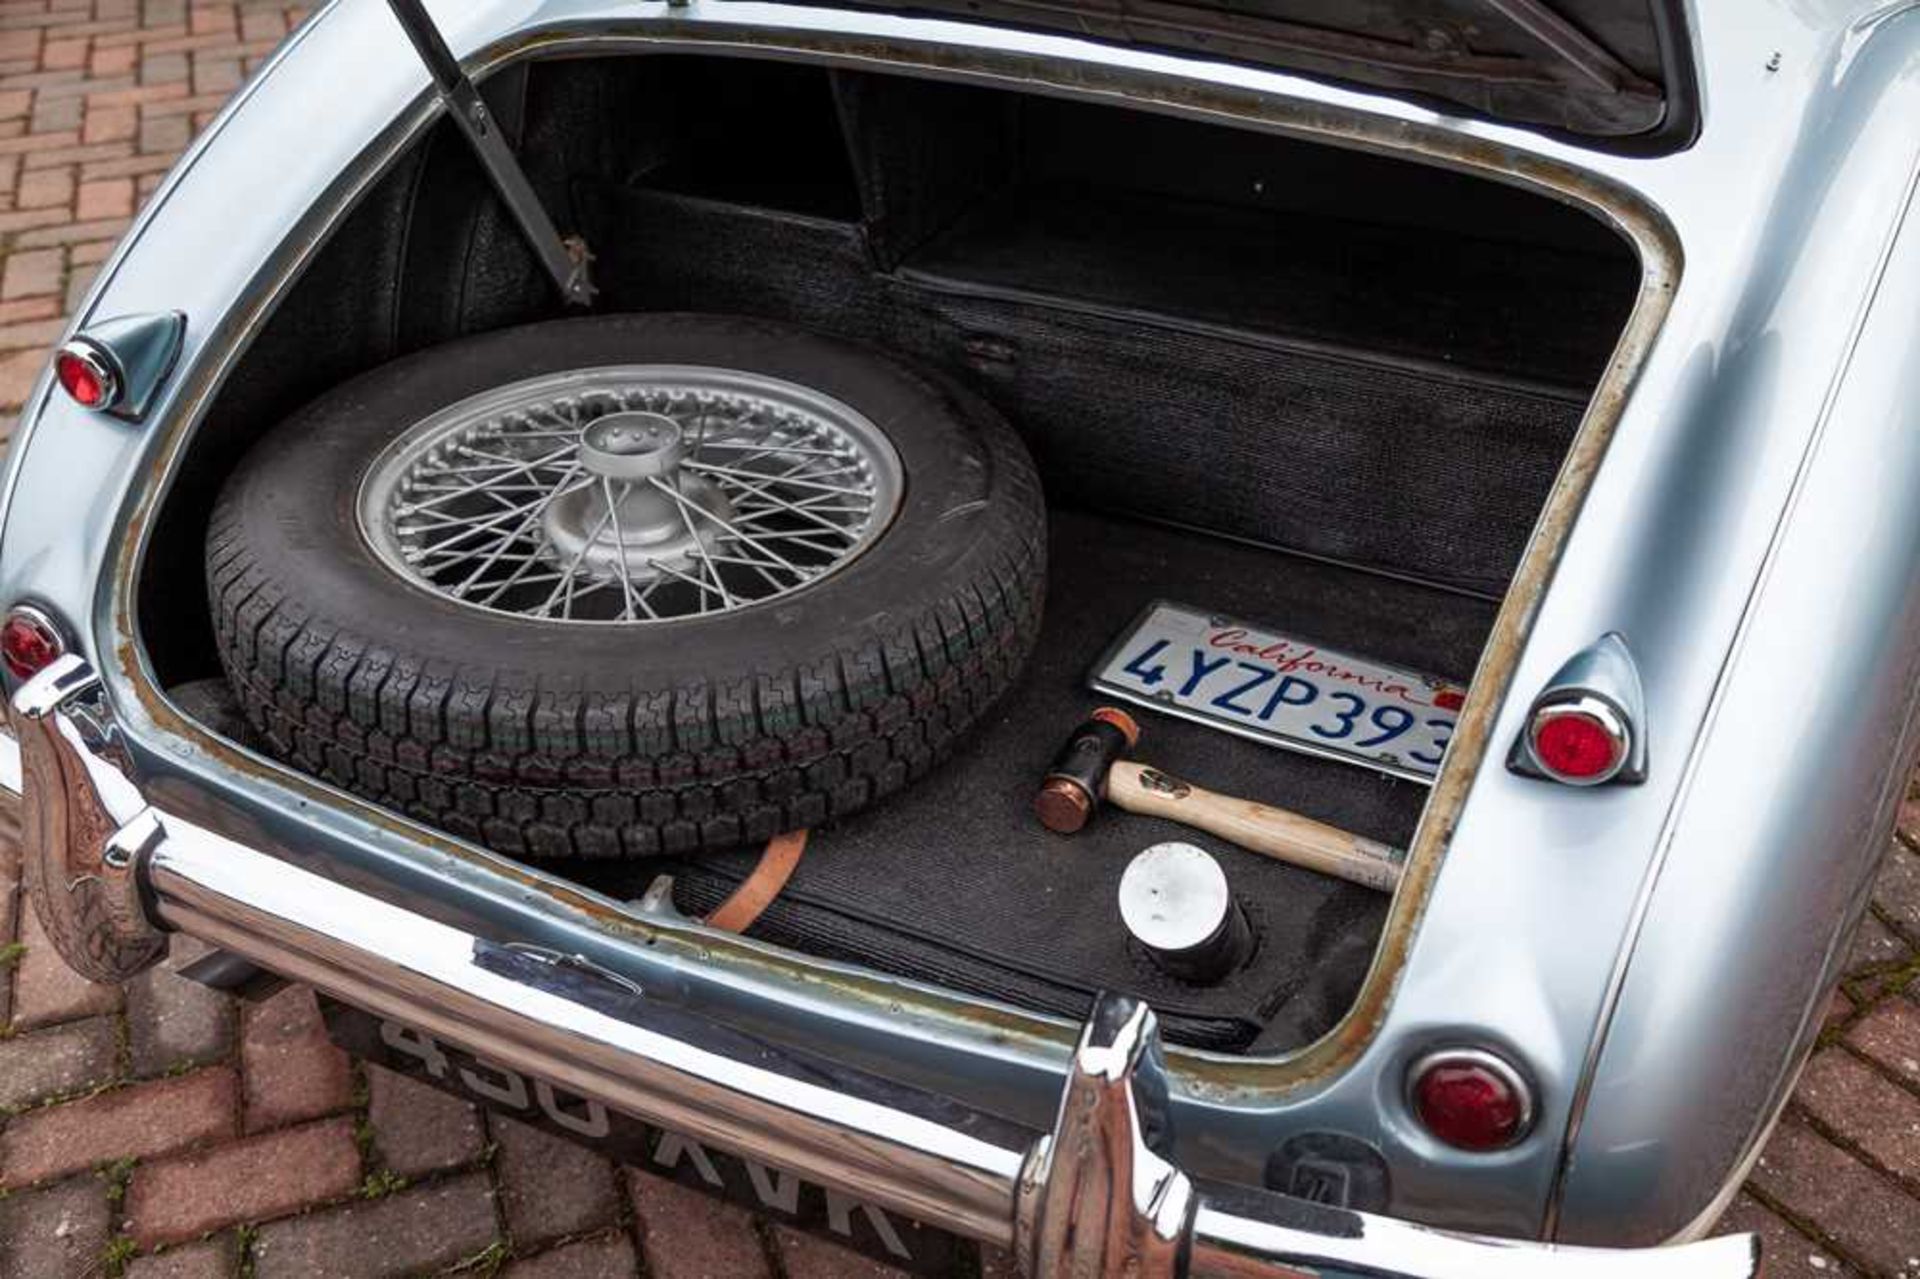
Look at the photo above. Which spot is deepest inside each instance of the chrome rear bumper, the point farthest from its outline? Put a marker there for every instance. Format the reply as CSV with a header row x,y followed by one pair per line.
x,y
1098,1195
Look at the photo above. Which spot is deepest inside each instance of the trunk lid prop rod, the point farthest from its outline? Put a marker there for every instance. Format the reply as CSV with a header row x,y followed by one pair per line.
x,y
565,258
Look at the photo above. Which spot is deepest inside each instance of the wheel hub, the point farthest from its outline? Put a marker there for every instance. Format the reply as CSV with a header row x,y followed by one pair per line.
x,y
646,516
633,445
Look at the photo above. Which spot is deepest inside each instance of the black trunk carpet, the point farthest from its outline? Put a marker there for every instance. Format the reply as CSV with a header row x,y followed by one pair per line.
x,y
953,882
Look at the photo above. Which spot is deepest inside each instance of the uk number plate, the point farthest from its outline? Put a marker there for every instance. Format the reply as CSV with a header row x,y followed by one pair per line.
x,y
1282,690
880,1233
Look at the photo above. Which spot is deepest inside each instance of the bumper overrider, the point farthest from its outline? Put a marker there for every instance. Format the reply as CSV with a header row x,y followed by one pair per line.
x,y
112,874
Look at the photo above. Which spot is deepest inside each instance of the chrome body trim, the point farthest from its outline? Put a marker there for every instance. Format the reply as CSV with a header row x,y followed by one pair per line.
x,y
1747,482
1096,1195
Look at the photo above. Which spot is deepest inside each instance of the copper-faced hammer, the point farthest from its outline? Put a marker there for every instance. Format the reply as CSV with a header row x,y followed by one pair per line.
x,y
1092,768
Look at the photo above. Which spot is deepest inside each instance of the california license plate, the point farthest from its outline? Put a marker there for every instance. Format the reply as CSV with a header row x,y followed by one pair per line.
x,y
1282,690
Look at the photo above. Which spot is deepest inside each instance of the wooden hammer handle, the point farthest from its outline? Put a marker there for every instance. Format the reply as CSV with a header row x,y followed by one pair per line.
x,y
1260,828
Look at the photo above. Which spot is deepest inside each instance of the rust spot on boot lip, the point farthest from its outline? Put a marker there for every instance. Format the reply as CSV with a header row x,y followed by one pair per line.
x,y
1218,1077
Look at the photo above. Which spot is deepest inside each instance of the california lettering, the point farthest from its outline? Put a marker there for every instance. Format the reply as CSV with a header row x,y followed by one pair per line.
x,y
1289,658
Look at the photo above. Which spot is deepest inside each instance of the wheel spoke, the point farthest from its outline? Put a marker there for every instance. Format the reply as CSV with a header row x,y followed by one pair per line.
x,y
529,512
784,450
798,508
572,568
761,567
704,587
708,468
812,517
620,545
525,527
686,508
492,460
443,495
741,492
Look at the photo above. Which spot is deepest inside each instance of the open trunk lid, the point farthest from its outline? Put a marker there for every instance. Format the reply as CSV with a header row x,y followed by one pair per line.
x,y
1613,73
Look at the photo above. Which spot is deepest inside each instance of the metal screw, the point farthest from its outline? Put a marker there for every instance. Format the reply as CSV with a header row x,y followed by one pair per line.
x,y
1773,63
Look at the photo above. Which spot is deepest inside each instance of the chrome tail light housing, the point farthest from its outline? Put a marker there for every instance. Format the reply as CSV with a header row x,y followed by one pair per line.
x,y
1587,727
118,366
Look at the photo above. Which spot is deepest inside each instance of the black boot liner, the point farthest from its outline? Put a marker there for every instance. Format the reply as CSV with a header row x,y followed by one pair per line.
x,y
954,882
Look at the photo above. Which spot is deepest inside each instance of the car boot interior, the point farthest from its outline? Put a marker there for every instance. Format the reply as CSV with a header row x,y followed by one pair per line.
x,y
1306,386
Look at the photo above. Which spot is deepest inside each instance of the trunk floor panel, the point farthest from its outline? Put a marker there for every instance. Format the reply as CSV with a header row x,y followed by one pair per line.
x,y
953,881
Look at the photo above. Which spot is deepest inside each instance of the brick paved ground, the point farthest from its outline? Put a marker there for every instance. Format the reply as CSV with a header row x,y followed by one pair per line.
x,y
161,1130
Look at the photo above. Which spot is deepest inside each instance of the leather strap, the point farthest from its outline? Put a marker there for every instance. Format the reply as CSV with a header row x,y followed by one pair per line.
x,y
757,891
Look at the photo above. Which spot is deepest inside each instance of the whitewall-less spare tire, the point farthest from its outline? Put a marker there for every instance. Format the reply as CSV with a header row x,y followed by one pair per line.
x,y
630,584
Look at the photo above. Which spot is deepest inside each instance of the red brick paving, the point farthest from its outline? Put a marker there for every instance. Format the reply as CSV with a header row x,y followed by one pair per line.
x,y
810,1257
60,1061
257,1178
96,101
61,1229
138,1121
609,1254
173,1023
207,1259
1890,1036
417,1130
1862,1215
1858,1105
685,1235
46,991
1788,1253
292,1070
415,1231
551,1188
334,1176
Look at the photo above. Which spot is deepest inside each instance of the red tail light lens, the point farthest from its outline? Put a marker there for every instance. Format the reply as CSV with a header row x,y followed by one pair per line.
x,y
1471,1100
29,642
86,374
1583,741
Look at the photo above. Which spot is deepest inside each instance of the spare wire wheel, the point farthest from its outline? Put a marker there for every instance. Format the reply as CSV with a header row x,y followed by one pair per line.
x,y
630,584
